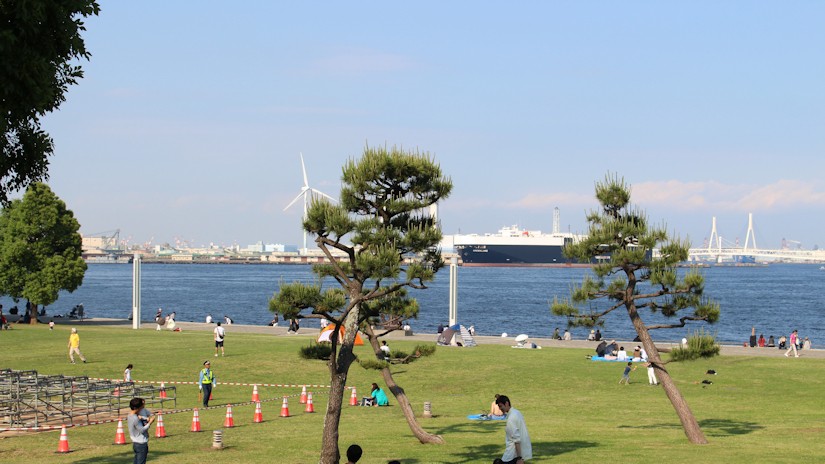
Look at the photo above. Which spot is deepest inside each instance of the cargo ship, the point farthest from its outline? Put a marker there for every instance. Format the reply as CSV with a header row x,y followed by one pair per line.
x,y
517,247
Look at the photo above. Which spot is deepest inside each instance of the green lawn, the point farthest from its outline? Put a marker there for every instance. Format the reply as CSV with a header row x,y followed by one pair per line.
x,y
756,409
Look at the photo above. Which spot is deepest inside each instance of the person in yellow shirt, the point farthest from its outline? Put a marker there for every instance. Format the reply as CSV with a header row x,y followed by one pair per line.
x,y
74,346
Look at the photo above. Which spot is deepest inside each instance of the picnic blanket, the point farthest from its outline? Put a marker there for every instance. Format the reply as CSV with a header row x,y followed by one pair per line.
x,y
485,417
601,358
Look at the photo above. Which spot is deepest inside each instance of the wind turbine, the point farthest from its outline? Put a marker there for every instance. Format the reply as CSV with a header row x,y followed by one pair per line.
x,y
306,192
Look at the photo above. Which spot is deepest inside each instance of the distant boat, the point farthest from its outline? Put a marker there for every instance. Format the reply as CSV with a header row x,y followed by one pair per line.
x,y
513,246
108,259
822,268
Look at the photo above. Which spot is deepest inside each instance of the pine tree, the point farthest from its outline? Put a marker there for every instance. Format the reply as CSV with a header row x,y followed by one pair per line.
x,y
378,240
639,273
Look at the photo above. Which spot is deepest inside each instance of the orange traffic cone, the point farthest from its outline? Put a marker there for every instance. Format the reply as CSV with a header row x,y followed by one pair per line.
x,y
229,421
353,399
259,417
285,408
160,430
162,390
196,422
63,446
310,407
255,396
120,437
303,399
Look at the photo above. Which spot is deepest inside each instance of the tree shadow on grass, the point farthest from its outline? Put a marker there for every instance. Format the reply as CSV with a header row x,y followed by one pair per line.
x,y
487,453
127,455
472,427
726,427
711,427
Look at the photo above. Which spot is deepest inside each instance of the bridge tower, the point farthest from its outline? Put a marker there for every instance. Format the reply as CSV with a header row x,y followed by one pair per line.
x,y
715,241
750,236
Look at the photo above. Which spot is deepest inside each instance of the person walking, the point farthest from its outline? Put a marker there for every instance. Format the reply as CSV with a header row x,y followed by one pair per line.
x,y
220,333
74,346
206,382
138,421
127,373
517,446
792,346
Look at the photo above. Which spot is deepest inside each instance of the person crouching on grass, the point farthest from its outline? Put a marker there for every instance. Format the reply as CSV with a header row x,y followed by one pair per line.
x,y
517,445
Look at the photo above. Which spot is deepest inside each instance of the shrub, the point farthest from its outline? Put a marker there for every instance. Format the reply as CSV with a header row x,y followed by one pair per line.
x,y
320,351
700,344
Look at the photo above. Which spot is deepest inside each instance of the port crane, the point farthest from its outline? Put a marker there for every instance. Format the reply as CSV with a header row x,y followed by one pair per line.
x,y
110,240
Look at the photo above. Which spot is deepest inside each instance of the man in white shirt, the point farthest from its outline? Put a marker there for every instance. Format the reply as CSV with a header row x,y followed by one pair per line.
x,y
219,334
385,349
516,439
208,318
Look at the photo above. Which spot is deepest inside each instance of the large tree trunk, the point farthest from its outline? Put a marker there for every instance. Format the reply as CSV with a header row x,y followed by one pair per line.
x,y
338,368
400,396
329,446
689,423
33,314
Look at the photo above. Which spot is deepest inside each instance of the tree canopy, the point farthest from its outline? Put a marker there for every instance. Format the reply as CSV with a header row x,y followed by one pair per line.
x,y
379,240
636,269
39,39
40,247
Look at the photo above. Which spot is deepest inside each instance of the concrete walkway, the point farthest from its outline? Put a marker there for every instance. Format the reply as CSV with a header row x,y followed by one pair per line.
x,y
281,331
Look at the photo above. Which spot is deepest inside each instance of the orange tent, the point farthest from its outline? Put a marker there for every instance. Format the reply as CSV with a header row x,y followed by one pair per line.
x,y
326,333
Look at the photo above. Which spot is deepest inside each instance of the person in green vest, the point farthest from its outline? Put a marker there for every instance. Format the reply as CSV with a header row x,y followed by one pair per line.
x,y
206,382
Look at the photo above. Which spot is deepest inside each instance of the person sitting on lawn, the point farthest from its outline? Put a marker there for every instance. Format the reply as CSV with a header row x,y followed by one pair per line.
x,y
379,398
495,410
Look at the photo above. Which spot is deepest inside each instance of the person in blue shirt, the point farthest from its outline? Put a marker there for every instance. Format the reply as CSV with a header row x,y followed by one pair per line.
x,y
379,398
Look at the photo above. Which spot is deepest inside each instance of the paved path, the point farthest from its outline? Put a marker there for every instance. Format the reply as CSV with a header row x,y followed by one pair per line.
x,y
281,331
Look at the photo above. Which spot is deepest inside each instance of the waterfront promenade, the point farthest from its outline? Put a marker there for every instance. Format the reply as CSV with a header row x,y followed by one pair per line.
x,y
311,333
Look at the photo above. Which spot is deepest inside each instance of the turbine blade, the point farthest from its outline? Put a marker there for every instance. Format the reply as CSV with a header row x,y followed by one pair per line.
x,y
296,199
304,169
323,194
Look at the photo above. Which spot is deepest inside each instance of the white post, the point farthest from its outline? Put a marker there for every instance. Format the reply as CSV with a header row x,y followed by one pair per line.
x,y
136,291
453,291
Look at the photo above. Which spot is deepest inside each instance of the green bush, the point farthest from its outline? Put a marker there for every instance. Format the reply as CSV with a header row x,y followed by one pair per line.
x,y
320,351
700,344
373,364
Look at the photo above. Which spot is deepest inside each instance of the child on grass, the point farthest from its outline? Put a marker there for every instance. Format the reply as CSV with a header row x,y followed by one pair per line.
x,y
626,376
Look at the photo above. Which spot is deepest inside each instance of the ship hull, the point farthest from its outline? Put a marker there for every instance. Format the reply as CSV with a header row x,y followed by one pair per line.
x,y
512,255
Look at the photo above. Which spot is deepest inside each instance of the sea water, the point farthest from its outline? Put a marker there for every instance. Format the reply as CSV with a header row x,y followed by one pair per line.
x,y
774,299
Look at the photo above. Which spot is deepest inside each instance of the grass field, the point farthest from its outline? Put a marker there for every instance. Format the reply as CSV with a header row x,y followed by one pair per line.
x,y
756,409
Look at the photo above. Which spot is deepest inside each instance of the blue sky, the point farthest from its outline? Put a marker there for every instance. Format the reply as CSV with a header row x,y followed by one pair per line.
x,y
190,120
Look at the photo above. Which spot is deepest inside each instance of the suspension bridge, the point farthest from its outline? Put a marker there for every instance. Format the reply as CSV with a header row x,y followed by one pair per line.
x,y
718,250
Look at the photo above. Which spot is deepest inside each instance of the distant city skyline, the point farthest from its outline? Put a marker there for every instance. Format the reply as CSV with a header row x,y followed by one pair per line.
x,y
189,121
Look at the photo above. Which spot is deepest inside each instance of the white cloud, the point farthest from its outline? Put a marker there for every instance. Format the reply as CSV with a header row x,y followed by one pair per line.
x,y
696,196
550,200
687,196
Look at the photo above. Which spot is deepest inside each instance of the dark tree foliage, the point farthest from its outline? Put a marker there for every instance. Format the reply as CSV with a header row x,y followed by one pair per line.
x,y
40,248
640,272
39,39
379,240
